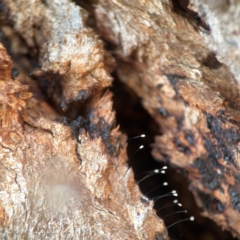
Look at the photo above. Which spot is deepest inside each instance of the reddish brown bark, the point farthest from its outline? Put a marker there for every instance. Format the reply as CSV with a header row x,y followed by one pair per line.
x,y
191,95
65,178
62,178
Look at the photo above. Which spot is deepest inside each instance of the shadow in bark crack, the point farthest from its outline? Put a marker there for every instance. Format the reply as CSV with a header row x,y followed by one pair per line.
x,y
134,121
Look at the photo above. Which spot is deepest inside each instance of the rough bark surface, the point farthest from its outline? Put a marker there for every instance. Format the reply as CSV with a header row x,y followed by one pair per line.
x,y
61,178
69,178
223,17
58,28
191,95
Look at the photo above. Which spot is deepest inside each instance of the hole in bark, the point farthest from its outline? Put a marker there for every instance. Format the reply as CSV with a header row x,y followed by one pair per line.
x,y
211,61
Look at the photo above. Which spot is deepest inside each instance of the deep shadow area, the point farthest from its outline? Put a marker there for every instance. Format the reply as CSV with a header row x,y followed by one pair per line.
x,y
134,121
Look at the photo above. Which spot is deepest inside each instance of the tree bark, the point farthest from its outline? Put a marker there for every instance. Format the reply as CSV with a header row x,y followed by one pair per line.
x,y
63,178
193,96
69,179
